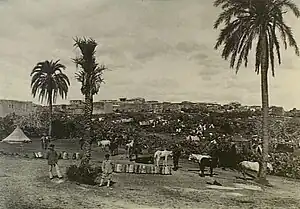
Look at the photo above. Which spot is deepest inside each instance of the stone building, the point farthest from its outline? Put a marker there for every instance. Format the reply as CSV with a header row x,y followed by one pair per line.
x,y
18,107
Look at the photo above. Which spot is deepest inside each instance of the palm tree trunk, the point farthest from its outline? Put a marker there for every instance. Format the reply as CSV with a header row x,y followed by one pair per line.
x,y
92,105
265,115
87,132
50,115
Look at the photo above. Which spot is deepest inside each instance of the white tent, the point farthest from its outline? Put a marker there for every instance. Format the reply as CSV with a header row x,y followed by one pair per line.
x,y
17,136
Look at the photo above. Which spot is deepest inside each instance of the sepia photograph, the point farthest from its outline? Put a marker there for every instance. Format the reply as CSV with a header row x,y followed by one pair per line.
x,y
149,104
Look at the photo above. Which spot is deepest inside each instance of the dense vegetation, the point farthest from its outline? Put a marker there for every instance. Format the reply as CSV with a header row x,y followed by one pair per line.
x,y
162,131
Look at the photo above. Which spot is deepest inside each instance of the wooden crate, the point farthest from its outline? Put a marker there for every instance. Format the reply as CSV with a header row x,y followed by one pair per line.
x,y
142,169
136,168
119,168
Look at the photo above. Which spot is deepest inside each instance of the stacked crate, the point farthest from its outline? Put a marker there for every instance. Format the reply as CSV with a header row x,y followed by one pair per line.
x,y
142,169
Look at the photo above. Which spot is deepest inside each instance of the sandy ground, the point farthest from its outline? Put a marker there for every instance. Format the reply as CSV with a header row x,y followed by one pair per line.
x,y
25,181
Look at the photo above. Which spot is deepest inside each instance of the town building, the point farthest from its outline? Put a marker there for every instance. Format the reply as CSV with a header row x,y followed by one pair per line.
x,y
18,107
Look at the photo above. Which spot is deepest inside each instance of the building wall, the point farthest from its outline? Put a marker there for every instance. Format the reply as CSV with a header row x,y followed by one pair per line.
x,y
18,107
102,108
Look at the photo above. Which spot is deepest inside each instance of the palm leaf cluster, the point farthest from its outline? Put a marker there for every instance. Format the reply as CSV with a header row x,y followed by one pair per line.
x,y
48,81
249,20
91,73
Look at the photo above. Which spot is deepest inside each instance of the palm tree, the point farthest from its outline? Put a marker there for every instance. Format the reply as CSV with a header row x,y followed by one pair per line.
x,y
246,21
90,77
48,81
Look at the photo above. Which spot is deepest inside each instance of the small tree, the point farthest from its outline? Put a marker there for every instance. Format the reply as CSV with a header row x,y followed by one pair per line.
x,y
90,76
48,81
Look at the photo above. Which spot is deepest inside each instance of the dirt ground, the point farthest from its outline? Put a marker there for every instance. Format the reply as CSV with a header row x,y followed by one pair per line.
x,y
25,181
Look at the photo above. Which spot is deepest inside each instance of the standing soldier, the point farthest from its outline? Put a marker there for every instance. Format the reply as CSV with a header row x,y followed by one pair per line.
x,y
52,157
43,141
47,140
107,170
81,142
176,155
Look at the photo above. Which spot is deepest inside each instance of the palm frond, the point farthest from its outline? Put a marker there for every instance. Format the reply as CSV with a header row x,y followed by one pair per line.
x,y
48,80
90,75
248,20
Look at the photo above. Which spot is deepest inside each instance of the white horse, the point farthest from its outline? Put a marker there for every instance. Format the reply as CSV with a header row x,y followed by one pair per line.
x,y
193,138
252,166
103,143
158,154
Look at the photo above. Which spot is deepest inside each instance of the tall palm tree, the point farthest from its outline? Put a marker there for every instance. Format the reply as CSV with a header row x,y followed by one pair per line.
x,y
246,21
90,76
48,81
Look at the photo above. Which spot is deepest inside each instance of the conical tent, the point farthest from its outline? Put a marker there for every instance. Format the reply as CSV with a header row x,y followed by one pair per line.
x,y
17,136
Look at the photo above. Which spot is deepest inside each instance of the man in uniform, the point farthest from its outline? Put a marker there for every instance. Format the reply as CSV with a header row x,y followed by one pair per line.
x,y
176,155
43,141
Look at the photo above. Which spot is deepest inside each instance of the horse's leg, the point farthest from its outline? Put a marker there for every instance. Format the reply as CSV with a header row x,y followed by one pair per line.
x,y
241,170
157,160
211,171
202,167
243,173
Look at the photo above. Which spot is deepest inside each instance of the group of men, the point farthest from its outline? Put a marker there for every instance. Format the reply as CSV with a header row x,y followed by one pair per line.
x,y
107,166
52,157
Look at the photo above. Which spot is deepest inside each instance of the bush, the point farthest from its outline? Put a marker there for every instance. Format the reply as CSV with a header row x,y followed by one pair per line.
x,y
286,165
83,174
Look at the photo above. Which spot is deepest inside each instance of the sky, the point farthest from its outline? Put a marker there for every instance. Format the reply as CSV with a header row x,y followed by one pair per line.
x,y
157,49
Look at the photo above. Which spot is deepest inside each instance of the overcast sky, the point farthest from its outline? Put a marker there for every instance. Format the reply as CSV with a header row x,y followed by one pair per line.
x,y
156,49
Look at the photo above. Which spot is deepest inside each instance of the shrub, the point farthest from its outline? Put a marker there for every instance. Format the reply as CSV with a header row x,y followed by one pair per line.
x,y
83,174
286,165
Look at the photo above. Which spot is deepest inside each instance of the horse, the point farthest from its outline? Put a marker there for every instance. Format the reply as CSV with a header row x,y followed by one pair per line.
x,y
193,138
114,148
231,159
205,161
197,157
251,166
135,150
158,154
103,143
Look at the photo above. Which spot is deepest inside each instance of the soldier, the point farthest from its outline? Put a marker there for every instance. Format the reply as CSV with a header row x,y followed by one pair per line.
x,y
52,157
43,141
107,170
81,142
176,155
47,141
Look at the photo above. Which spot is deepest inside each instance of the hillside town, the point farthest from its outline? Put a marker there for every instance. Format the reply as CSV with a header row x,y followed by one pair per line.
x,y
124,105
166,119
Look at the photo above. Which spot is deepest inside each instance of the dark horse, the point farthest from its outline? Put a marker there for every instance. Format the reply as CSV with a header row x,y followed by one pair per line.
x,y
228,157
135,150
113,148
208,162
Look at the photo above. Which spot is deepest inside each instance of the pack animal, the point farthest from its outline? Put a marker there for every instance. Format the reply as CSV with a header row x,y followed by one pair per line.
x,y
204,161
103,143
245,166
193,138
159,154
